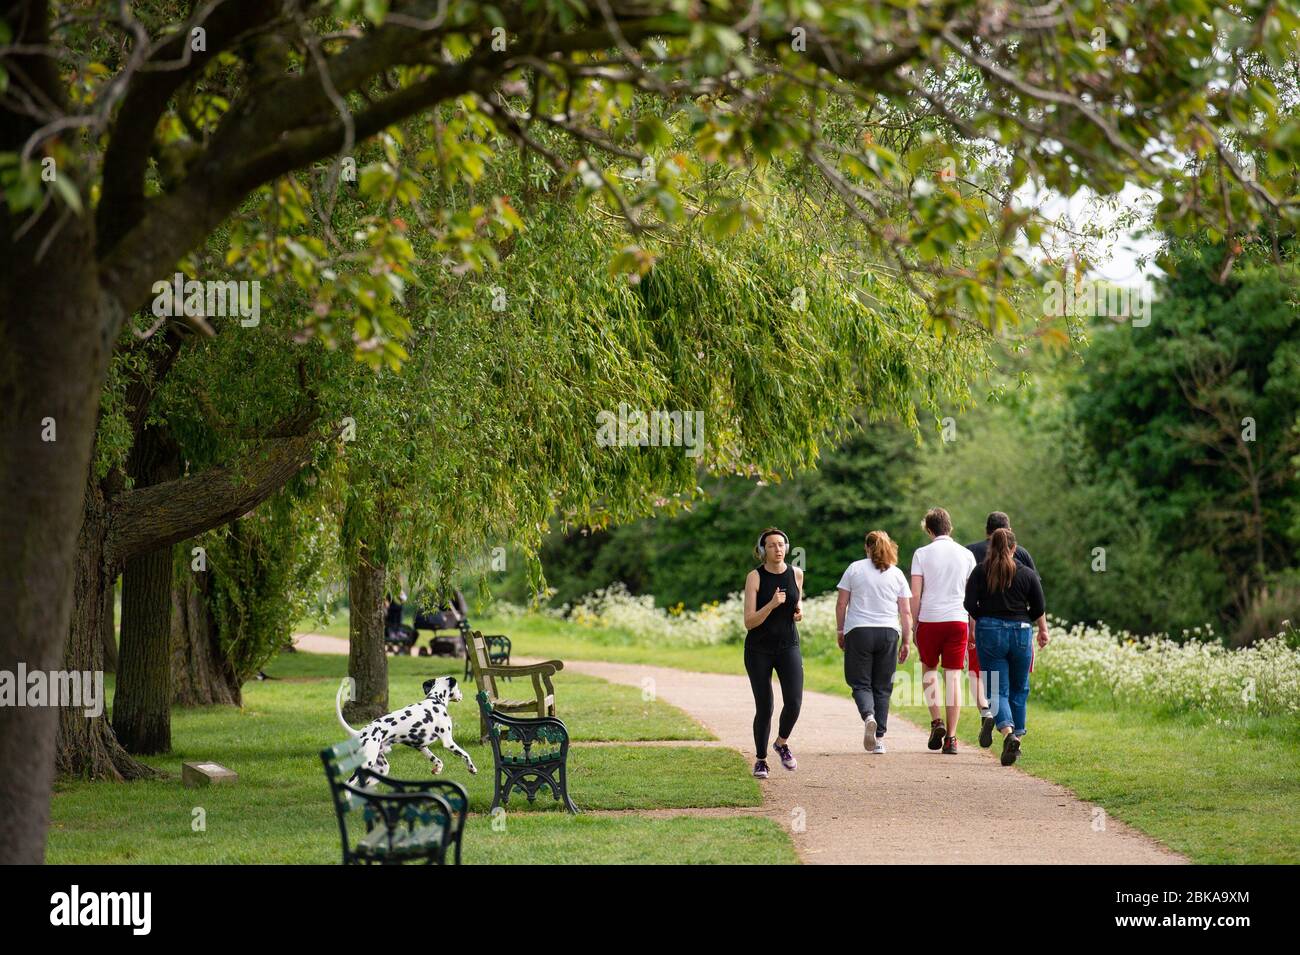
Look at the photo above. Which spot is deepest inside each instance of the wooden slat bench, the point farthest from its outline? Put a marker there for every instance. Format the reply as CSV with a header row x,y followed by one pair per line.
x,y
486,675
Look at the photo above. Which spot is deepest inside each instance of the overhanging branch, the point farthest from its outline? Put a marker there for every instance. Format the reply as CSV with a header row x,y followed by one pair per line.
x,y
163,514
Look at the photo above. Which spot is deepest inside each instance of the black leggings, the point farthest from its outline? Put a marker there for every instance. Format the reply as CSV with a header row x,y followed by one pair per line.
x,y
788,664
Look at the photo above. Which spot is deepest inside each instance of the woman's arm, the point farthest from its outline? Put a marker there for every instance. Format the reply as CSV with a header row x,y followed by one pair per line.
x,y
798,606
905,623
841,608
754,616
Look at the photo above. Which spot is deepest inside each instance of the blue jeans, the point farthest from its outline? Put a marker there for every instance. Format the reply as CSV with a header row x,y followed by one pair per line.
x,y
1005,649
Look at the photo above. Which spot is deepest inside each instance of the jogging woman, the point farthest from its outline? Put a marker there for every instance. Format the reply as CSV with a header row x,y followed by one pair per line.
x,y
773,596
1005,597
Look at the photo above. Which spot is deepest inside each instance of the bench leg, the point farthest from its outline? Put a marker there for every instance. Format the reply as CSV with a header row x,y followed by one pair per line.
x,y
496,792
564,788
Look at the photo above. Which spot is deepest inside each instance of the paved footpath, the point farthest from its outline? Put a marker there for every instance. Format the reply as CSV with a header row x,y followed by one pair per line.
x,y
910,805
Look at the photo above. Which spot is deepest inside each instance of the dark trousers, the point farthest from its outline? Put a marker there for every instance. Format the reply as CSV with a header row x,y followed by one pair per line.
x,y
870,659
788,664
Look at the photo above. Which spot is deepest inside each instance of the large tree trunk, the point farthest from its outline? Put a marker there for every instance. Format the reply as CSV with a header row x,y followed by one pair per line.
x,y
142,703
86,745
55,334
201,674
367,661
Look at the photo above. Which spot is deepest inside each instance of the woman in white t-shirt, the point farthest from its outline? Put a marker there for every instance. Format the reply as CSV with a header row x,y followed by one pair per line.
x,y
872,612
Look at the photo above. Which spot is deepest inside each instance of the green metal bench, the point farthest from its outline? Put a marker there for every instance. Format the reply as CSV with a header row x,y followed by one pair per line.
x,y
527,754
411,822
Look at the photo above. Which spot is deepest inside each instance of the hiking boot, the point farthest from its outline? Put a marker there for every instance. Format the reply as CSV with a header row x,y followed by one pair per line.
x,y
986,731
1010,749
950,745
937,732
787,757
760,769
869,735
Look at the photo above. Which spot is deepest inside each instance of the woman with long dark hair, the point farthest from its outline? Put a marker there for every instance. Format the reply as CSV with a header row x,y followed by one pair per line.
x,y
773,605
1005,597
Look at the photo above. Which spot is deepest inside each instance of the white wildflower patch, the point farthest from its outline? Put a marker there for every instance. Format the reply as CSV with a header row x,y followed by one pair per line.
x,y
613,607
1095,662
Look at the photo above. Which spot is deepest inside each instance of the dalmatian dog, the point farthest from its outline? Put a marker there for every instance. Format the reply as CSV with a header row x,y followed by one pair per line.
x,y
417,726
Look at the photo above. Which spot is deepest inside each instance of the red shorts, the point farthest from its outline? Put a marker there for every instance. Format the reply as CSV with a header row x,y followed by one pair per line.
x,y
942,644
973,658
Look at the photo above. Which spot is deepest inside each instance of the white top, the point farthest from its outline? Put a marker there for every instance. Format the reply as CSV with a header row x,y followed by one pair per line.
x,y
945,565
873,595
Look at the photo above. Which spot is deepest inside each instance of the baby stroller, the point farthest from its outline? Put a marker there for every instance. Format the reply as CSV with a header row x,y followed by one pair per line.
x,y
398,637
452,616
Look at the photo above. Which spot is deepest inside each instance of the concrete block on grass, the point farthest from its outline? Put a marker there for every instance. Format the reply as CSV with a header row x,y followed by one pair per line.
x,y
195,775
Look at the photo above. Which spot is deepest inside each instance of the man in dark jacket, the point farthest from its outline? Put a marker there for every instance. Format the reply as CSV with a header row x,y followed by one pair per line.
x,y
981,548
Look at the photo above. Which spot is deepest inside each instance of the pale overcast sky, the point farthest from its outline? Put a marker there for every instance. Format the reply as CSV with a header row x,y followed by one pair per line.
x,y
1117,256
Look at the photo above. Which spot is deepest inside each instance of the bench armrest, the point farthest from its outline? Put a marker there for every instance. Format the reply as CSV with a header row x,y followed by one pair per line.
x,y
530,722
547,668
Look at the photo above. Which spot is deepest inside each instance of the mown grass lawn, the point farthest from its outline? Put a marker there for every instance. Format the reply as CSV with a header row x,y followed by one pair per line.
x,y
1217,794
1218,791
279,810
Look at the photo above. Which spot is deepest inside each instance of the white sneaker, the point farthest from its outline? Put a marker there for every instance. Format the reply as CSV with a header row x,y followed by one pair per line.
x,y
880,747
869,734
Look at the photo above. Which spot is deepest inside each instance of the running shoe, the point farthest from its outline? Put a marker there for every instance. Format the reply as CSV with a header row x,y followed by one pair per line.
x,y
869,735
787,757
879,747
986,731
937,733
950,745
760,769
1010,749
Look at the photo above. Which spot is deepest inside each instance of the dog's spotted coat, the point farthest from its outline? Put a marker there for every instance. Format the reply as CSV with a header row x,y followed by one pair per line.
x,y
417,726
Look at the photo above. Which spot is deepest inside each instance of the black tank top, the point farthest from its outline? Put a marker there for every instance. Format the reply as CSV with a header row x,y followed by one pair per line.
x,y
778,631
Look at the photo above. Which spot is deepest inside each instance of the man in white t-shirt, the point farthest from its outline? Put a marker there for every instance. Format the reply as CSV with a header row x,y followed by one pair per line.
x,y
873,598
939,572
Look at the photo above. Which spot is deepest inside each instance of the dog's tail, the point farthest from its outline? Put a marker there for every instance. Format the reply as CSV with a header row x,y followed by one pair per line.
x,y
346,688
